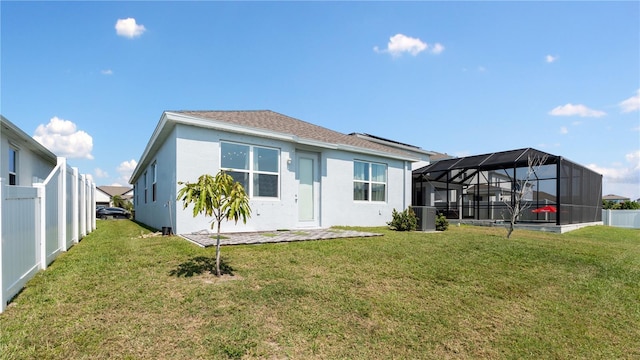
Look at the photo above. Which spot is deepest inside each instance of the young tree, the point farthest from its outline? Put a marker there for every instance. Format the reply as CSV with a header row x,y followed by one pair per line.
x,y
219,197
118,201
516,205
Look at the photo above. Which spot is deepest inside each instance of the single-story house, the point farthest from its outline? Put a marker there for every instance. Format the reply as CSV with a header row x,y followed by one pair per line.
x,y
28,162
616,199
105,194
297,174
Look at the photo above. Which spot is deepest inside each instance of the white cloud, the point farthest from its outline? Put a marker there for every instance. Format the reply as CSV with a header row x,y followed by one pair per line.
x,y
631,104
64,139
547,146
399,44
100,173
106,72
125,169
551,59
576,110
128,28
564,130
628,173
437,48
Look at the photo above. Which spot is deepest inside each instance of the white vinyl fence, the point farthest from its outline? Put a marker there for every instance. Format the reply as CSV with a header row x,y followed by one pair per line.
x,y
621,218
40,222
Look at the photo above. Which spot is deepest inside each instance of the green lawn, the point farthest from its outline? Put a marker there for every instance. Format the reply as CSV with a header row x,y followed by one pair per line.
x,y
466,293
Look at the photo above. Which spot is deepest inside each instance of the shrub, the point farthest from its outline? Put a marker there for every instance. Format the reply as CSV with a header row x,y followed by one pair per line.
x,y
441,223
630,205
403,221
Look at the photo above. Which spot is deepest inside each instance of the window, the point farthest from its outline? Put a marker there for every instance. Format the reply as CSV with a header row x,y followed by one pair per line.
x,y
256,168
144,178
153,185
13,166
369,181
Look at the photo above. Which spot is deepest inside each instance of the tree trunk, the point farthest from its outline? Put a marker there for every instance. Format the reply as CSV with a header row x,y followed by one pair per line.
x,y
509,230
514,218
218,274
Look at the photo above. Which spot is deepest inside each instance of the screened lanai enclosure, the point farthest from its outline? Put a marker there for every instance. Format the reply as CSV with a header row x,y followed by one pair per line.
x,y
482,187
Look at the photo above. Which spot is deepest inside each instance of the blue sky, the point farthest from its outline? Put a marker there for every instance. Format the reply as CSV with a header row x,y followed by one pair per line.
x,y
91,79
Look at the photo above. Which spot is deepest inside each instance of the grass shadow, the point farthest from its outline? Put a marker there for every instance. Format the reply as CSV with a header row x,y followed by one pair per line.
x,y
145,226
199,265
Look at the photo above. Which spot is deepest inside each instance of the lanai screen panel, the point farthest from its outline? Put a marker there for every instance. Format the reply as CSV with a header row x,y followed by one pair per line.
x,y
580,194
573,190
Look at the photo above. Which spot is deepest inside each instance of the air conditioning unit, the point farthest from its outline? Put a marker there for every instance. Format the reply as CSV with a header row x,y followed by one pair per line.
x,y
426,217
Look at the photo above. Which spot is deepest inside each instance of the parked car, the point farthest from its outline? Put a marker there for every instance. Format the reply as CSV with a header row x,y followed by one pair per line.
x,y
114,212
98,208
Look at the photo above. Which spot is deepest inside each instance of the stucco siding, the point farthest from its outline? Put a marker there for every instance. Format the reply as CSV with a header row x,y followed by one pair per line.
x,y
198,152
190,151
30,166
101,197
161,212
338,206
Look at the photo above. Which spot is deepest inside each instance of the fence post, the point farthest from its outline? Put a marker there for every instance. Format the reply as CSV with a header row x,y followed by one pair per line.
x,y
62,204
76,199
83,206
93,206
41,223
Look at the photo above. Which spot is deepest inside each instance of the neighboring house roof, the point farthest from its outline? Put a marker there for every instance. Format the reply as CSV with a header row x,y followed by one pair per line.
x,y
393,143
122,191
267,124
20,138
612,197
440,156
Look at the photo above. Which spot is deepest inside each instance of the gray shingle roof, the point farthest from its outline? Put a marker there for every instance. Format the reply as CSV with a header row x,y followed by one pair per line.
x,y
114,190
273,121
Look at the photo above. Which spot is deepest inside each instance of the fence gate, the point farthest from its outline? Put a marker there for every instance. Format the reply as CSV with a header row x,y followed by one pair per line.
x,y
20,240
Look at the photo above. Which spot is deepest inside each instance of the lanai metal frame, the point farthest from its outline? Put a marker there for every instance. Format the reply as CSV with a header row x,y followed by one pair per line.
x,y
574,190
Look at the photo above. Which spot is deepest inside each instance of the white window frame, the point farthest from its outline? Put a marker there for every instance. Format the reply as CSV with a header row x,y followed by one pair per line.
x,y
154,175
252,172
13,172
144,179
135,194
369,181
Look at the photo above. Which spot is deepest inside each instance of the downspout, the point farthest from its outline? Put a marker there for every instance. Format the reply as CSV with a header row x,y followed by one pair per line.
x,y
404,185
489,214
477,197
447,214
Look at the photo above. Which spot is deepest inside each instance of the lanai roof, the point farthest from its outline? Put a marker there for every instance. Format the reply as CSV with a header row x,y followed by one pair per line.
x,y
490,161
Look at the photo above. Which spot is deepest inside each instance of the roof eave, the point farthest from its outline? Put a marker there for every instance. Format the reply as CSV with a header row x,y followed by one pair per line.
x,y
169,119
28,141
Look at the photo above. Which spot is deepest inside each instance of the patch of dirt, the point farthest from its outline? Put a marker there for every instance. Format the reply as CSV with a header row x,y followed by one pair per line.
x,y
209,278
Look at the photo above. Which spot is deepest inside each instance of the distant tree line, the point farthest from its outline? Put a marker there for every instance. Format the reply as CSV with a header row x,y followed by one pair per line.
x,y
626,205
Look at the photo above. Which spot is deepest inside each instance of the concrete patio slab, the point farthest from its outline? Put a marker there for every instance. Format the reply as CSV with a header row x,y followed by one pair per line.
x,y
205,238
